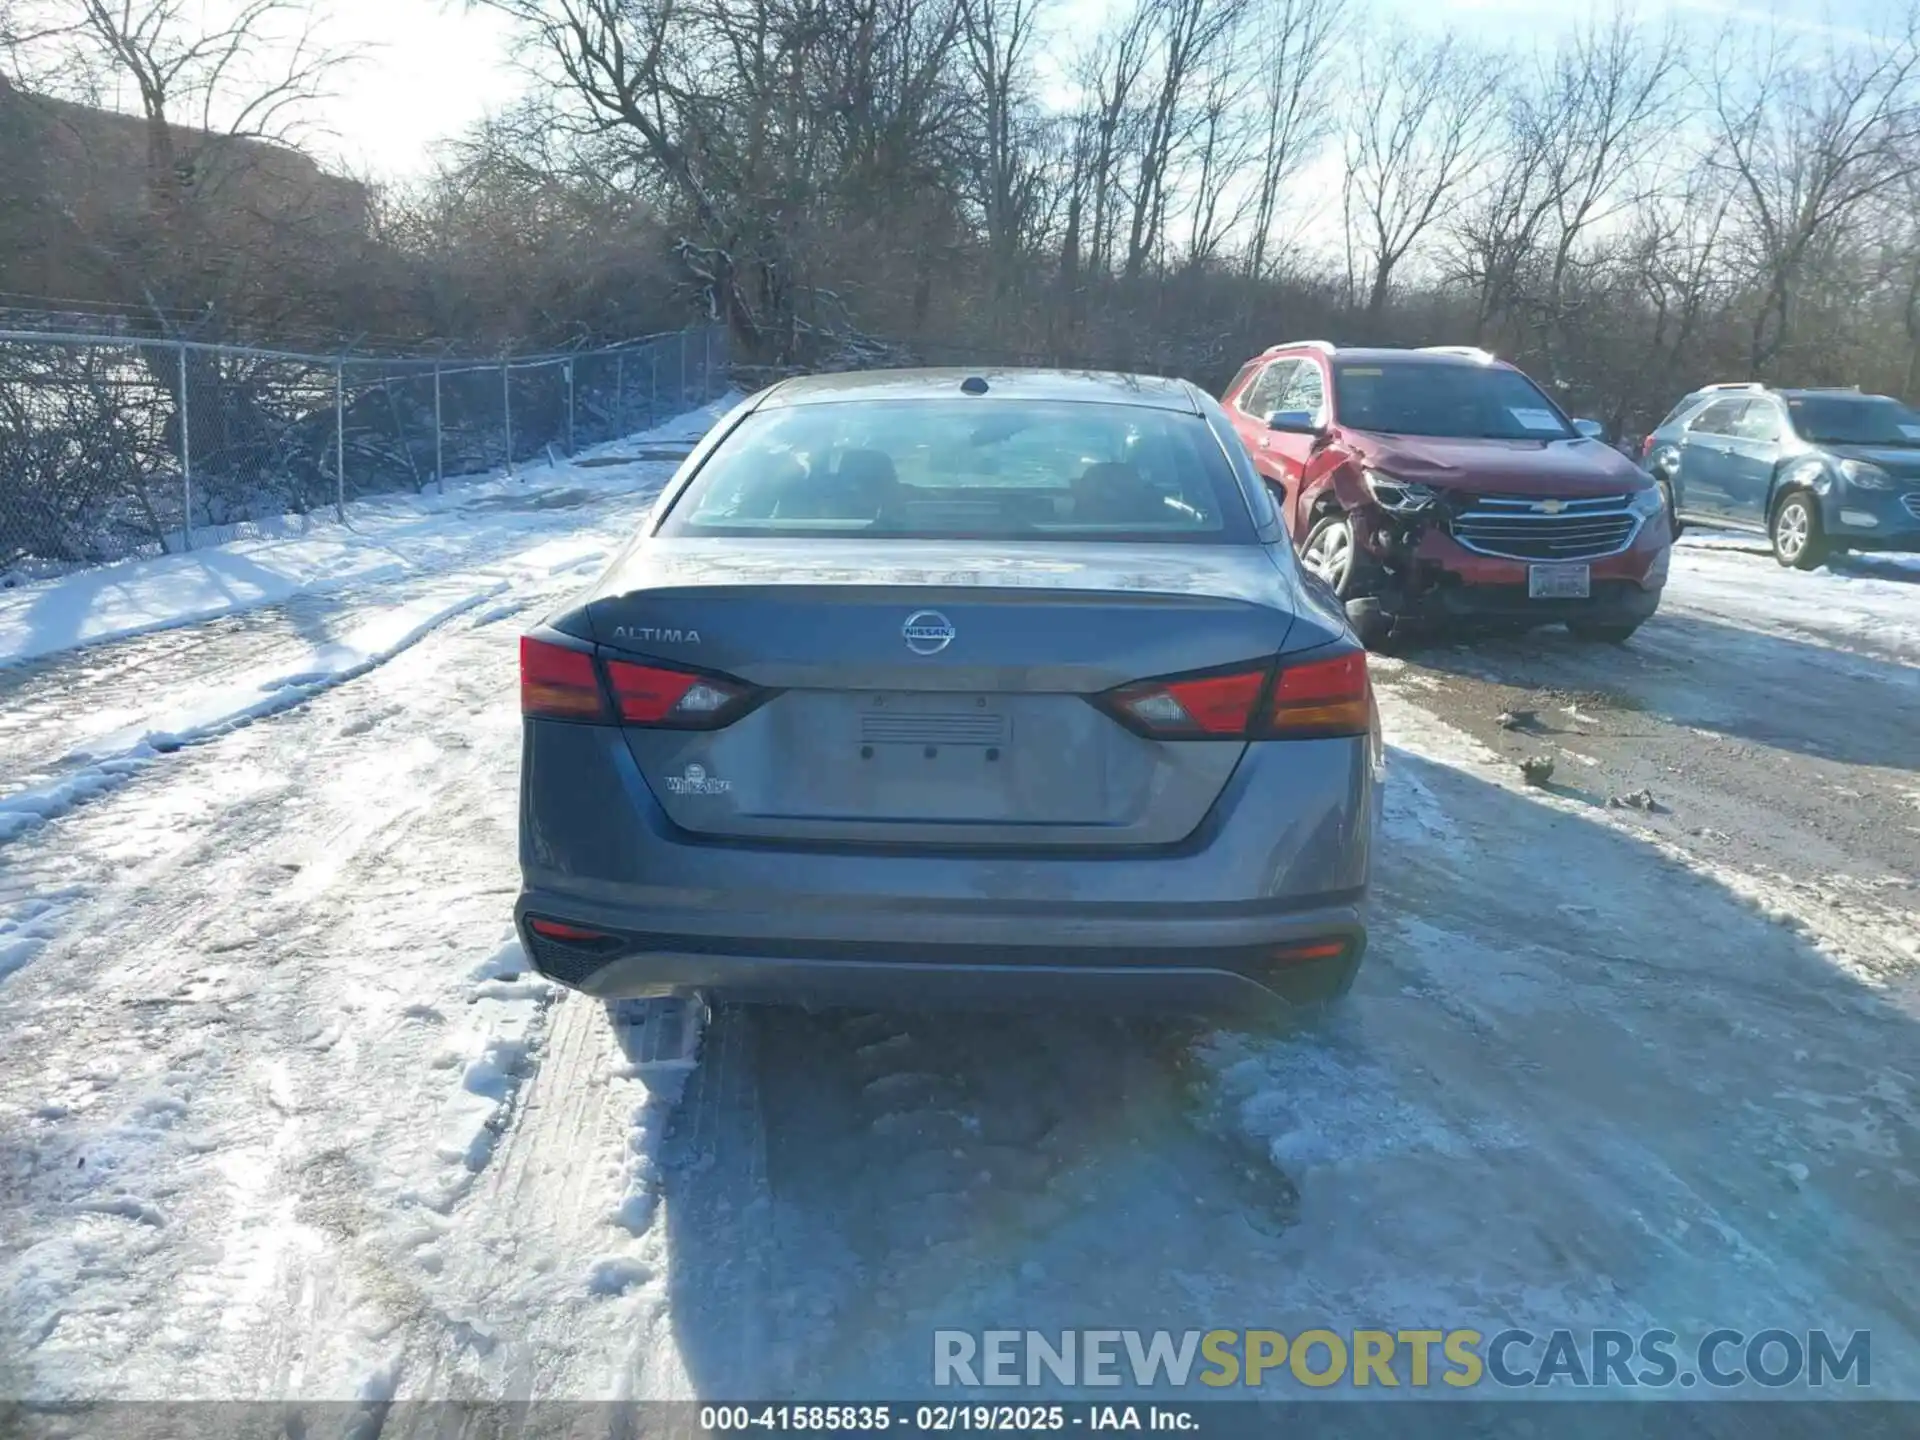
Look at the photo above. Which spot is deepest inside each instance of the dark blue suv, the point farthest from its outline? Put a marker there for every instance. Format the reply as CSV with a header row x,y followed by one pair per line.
x,y
1818,471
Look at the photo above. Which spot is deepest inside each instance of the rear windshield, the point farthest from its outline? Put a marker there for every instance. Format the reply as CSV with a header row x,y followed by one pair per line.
x,y
961,469
1467,402
1853,420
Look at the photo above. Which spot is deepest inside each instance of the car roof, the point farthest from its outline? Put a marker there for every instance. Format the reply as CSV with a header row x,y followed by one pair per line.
x,y
1786,392
1088,386
1376,354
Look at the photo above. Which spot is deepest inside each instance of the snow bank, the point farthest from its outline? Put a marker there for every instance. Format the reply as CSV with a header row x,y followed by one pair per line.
x,y
506,1003
385,538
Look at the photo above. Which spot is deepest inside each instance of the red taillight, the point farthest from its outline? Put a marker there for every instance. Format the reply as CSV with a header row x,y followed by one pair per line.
x,y
1322,697
1306,699
675,699
557,683
1206,705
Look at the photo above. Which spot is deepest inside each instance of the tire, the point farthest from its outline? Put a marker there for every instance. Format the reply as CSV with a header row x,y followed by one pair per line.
x,y
1605,632
1674,525
1798,541
1329,552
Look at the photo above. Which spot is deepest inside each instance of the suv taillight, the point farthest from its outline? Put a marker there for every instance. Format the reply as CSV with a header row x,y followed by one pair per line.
x,y
1297,700
559,683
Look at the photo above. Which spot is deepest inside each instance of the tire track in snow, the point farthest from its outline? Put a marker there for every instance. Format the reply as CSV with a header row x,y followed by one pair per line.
x,y
944,1169
248,903
105,763
221,699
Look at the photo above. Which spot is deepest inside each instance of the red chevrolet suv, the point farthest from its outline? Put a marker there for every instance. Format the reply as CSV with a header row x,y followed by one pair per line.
x,y
1443,485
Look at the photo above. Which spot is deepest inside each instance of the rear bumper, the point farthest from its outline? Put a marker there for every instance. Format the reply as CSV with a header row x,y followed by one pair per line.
x,y
1150,975
1283,858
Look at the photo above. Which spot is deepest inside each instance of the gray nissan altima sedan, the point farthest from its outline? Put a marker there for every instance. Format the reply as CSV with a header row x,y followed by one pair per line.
x,y
941,687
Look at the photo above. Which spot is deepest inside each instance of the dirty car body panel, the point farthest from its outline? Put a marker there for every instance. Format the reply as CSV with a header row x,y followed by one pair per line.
x,y
909,693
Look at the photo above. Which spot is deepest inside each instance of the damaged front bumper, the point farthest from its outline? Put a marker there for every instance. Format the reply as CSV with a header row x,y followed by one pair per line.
x,y
1421,571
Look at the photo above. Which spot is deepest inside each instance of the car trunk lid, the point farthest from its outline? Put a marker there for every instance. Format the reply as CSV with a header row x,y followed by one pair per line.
x,y
933,694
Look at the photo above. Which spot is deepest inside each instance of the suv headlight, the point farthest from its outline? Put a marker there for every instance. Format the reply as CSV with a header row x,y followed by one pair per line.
x,y
1647,503
1866,476
1402,497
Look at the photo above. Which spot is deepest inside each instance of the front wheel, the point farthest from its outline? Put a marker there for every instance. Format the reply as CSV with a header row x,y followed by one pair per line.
x,y
1606,632
1798,541
1331,553
1674,525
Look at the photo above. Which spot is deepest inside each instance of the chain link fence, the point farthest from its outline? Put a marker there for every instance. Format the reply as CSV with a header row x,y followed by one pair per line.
x,y
112,447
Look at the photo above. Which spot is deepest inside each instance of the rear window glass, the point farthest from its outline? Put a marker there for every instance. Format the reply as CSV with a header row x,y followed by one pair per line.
x,y
1468,402
1677,411
960,469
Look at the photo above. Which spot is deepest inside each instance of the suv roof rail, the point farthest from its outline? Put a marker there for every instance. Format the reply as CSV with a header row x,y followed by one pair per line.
x,y
1831,389
1732,385
1326,347
1470,352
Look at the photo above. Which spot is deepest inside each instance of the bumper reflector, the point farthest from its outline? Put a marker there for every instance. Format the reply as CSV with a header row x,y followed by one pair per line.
x,y
1310,950
555,930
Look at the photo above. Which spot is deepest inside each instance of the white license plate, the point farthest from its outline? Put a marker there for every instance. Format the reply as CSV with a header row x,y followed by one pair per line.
x,y
1559,582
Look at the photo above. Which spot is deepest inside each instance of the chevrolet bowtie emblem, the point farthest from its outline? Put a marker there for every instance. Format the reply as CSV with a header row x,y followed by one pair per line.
x,y
1551,507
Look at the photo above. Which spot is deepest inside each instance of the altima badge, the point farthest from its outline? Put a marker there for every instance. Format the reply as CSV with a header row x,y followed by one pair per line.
x,y
694,780
928,632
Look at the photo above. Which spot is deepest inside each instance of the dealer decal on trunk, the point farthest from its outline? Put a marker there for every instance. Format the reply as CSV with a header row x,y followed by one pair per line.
x,y
694,780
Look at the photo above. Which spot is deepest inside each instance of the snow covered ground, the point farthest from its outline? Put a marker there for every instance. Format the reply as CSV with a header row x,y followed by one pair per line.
x,y
1869,603
284,1115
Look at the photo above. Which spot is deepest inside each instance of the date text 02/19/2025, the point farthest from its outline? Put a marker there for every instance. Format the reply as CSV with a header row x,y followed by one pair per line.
x,y
877,1419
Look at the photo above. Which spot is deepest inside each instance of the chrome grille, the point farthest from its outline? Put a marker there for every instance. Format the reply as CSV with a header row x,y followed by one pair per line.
x,y
1912,501
1517,528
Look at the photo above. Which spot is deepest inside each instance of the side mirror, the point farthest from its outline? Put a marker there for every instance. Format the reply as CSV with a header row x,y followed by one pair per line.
x,y
1592,429
1292,422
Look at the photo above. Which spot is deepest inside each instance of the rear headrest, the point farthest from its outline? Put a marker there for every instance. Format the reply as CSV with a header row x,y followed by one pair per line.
x,y
867,468
1112,492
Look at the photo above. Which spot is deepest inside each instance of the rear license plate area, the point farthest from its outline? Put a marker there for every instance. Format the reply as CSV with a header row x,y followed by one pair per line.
x,y
1559,582
970,721
939,757
929,757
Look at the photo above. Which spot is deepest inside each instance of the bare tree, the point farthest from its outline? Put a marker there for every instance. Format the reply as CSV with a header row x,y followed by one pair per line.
x,y
1189,35
999,38
1494,237
1111,72
1608,98
1295,40
221,92
1810,140
1422,112
1221,138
